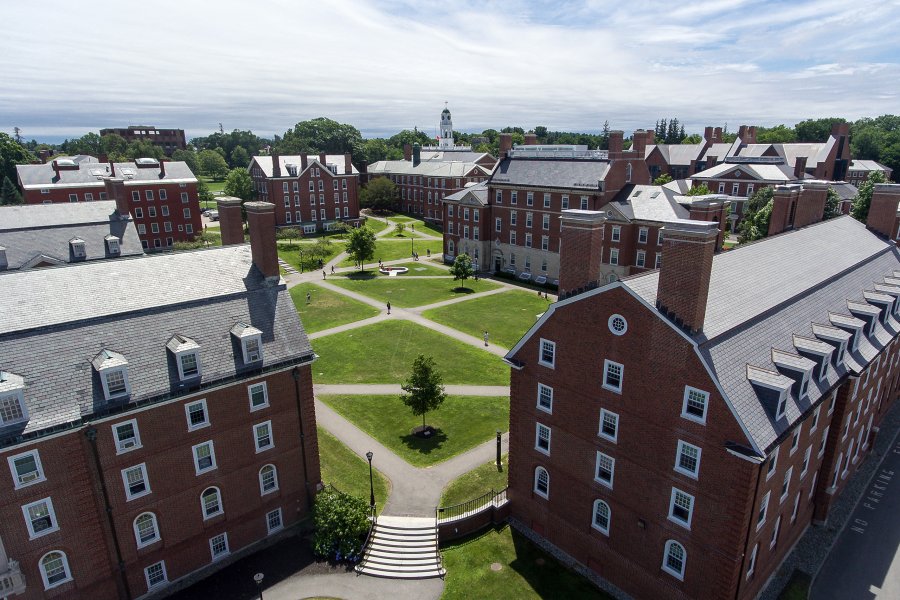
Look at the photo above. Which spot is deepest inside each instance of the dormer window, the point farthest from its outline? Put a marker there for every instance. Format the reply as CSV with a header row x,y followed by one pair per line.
x,y
834,337
884,303
113,370
865,312
112,244
772,388
851,325
816,350
796,367
12,399
77,246
187,356
250,339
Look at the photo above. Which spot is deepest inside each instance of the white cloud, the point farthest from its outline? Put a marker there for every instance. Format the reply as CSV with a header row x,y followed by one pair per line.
x,y
385,66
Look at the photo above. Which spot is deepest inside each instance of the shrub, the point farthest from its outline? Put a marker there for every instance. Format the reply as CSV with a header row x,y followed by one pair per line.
x,y
341,522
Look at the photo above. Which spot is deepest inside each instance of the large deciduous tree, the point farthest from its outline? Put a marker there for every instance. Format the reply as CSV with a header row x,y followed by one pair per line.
x,y
859,210
361,245
424,388
462,268
212,164
239,184
379,194
755,224
12,153
832,205
322,135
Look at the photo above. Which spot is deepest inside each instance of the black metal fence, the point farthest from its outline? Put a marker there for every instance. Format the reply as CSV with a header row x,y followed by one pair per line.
x,y
470,507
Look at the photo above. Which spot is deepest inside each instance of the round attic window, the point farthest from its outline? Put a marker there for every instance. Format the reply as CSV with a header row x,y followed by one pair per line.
x,y
617,325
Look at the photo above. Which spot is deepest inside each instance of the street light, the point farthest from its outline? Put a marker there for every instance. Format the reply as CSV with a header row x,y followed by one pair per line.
x,y
369,456
258,579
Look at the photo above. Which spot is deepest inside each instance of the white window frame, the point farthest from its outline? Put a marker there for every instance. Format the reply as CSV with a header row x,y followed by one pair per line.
x,y
29,523
600,528
104,375
45,578
203,511
681,446
606,366
538,429
541,388
256,436
773,463
751,568
616,233
824,441
246,351
280,525
39,477
686,524
775,531
614,256
165,579
180,356
137,535
806,457
537,471
143,469
762,513
187,415
262,488
815,419
796,507
786,484
612,470
684,405
212,544
612,438
212,455
265,390
679,575
552,345
795,439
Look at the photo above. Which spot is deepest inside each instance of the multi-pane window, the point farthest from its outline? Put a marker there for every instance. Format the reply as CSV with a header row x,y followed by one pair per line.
x,y
218,545
687,460
542,438
197,416
268,479
274,521
252,349
190,365
786,484
606,466
773,463
259,395
642,235
204,457
695,404
614,256
26,468
546,200
775,532
806,456
640,258
751,568
126,436
40,518
601,517
262,435
11,409
763,509
612,375
54,569
115,383
548,353
609,425
545,398
155,574
211,501
681,507
616,233
674,559
146,531
542,482
824,440
136,481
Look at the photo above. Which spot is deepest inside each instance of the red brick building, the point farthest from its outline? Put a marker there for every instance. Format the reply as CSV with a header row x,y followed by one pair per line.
x,y
169,140
310,192
676,432
859,170
152,435
161,196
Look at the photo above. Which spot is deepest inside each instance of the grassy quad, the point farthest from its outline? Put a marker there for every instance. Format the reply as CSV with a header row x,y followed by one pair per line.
x,y
384,352
507,316
327,309
348,472
422,268
526,570
290,252
396,249
476,483
375,225
460,424
404,292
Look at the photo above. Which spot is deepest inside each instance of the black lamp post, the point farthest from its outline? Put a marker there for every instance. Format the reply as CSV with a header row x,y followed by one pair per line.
x,y
499,449
258,579
369,456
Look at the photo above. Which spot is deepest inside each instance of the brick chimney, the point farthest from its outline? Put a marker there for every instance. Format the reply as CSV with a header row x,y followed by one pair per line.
x,y
683,289
55,170
708,135
276,164
416,154
407,152
505,144
751,134
115,190
162,169
811,203
304,162
784,208
581,242
717,135
615,141
742,133
261,219
639,142
44,155
799,167
531,139
712,160
112,168
883,210
323,159
231,223
348,164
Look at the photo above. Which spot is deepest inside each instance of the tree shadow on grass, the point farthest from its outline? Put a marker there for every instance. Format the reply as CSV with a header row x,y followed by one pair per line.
x,y
462,290
425,445
362,275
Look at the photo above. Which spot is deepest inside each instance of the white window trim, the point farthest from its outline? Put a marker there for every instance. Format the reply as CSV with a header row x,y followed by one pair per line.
x,y
612,473
604,531
788,475
178,357
796,507
665,564
262,490
776,531
541,361
137,436
606,364
212,454
546,409
772,467
31,533
537,437
807,456
271,445
765,511
751,569
795,439
104,373
137,535
128,495
824,441
45,580
37,461
221,510
212,553
679,468
614,438
187,415
244,342
684,404
265,394
534,487
165,579
270,529
672,517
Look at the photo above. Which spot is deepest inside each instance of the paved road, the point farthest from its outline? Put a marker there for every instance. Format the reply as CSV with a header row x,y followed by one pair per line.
x,y
864,563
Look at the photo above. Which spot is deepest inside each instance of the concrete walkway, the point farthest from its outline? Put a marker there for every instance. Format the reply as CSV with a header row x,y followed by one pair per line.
x,y
386,389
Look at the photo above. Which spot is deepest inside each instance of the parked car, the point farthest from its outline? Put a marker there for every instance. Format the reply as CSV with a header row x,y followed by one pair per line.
x,y
213,215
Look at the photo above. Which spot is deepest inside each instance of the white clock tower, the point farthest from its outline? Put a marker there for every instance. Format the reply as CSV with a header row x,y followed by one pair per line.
x,y
446,140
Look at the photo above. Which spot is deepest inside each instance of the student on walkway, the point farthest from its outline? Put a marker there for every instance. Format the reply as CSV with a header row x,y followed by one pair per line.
x,y
485,337
332,269
389,307
307,297
323,274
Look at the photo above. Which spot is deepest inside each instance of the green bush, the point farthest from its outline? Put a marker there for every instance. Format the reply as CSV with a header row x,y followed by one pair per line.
x,y
341,522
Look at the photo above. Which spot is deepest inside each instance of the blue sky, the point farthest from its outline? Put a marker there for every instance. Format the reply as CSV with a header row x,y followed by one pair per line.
x,y
70,67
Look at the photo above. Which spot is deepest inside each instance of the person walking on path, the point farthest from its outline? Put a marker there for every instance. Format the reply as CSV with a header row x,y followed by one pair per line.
x,y
485,337
332,269
323,274
389,307
307,297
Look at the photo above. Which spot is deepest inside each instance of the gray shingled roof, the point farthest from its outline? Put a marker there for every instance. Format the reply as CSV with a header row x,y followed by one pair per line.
x,y
763,294
56,321
264,162
452,156
92,174
576,174
426,169
653,203
41,232
477,192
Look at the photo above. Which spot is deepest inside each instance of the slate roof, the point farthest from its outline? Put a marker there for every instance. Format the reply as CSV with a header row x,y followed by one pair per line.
x,y
677,154
41,232
573,173
56,321
425,169
648,203
720,151
764,172
477,193
264,162
867,165
764,293
452,156
92,174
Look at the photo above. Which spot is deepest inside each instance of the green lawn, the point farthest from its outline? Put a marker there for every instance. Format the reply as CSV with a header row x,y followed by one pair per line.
x,y
409,292
396,249
476,483
384,352
214,186
327,309
420,268
526,570
290,252
375,225
348,472
461,423
506,316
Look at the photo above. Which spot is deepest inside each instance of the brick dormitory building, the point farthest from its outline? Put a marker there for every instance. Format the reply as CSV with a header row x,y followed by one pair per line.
x,y
150,434
161,196
676,432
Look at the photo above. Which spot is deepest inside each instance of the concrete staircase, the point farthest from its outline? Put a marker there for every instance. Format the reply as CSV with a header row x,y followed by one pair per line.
x,y
402,548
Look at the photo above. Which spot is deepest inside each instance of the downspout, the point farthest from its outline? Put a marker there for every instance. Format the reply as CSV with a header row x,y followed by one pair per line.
x,y
91,434
750,527
296,374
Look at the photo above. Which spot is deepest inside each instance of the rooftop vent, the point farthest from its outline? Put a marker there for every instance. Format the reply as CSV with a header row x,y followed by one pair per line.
x,y
146,163
77,247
